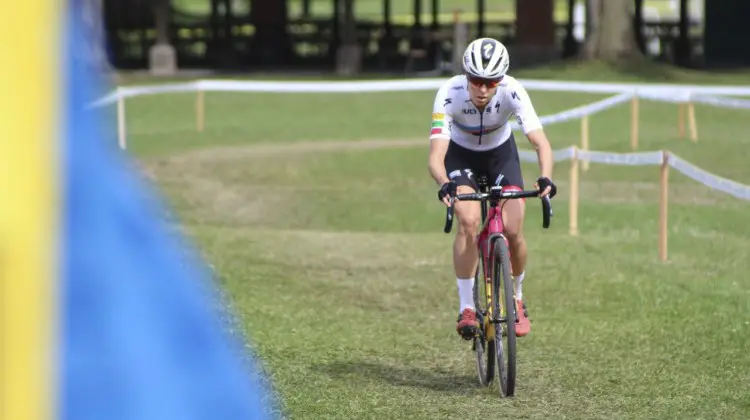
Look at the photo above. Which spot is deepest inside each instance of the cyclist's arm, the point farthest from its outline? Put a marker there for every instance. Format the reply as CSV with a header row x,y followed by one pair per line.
x,y
439,137
532,128
438,147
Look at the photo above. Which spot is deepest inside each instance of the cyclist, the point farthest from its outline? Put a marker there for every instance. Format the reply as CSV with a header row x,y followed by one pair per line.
x,y
471,135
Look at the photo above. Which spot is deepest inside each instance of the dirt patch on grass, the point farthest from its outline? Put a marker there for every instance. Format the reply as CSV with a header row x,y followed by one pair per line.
x,y
264,150
250,184
209,196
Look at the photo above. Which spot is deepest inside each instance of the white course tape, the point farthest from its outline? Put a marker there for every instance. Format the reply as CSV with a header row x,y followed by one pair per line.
x,y
660,92
710,180
721,102
563,154
648,158
359,86
663,90
435,83
152,90
126,92
672,96
633,159
582,111
557,155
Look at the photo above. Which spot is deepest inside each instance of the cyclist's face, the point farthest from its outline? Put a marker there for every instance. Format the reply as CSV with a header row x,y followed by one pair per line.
x,y
481,90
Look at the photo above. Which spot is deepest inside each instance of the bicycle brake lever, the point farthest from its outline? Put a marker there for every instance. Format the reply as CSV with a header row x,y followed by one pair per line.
x,y
549,203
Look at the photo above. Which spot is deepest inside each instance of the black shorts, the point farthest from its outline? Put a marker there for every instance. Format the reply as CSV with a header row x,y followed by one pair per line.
x,y
500,165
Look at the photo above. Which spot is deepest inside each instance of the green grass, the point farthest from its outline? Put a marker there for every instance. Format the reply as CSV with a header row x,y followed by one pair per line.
x,y
337,267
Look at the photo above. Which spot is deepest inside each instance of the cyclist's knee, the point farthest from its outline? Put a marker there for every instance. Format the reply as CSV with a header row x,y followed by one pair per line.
x,y
469,214
513,220
469,225
469,218
513,233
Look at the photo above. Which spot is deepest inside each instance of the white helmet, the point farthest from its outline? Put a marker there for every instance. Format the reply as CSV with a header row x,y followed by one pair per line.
x,y
486,58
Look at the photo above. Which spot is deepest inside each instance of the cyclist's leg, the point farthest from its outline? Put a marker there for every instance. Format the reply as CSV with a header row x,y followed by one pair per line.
x,y
459,166
469,214
507,164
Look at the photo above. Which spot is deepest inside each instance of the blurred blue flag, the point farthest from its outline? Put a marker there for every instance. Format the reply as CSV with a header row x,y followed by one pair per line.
x,y
141,336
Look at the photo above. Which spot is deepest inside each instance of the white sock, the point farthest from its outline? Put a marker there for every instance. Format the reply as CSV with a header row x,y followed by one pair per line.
x,y
465,293
519,283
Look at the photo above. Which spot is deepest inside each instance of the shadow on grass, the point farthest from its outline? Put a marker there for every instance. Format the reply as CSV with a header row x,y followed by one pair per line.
x,y
434,379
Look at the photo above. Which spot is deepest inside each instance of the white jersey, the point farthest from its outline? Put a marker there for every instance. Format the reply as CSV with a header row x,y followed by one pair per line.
x,y
455,117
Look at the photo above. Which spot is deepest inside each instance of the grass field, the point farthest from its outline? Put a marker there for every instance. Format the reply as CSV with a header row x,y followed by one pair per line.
x,y
334,259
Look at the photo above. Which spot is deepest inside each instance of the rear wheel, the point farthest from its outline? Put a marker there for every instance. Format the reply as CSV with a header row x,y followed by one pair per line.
x,y
484,350
505,309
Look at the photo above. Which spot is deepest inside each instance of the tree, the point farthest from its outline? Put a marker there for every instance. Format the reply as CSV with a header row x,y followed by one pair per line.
x,y
271,43
610,32
349,54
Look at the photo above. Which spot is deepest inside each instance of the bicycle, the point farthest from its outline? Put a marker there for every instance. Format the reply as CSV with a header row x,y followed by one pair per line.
x,y
495,265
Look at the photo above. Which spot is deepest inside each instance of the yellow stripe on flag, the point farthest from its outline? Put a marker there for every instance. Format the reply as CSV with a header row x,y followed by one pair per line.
x,y
29,126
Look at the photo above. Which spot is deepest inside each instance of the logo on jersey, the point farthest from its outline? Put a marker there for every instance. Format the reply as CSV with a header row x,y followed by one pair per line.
x,y
447,101
478,130
514,95
488,110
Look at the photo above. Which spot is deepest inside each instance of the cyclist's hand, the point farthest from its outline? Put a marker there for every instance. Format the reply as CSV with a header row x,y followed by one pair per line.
x,y
446,191
547,186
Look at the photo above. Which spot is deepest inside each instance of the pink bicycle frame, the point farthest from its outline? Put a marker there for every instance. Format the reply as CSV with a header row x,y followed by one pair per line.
x,y
493,226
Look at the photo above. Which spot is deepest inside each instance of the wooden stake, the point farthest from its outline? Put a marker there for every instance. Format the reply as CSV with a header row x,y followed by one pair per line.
x,y
663,206
634,123
681,121
691,121
200,111
121,122
573,204
585,140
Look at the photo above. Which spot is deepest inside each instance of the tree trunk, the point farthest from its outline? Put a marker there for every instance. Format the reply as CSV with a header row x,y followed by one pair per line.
x,y
162,55
271,43
610,34
349,54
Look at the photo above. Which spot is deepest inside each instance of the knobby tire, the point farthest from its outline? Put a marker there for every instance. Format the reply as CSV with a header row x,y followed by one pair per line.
x,y
482,347
502,281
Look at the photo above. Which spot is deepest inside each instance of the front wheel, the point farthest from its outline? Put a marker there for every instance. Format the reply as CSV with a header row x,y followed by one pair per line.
x,y
484,350
505,319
